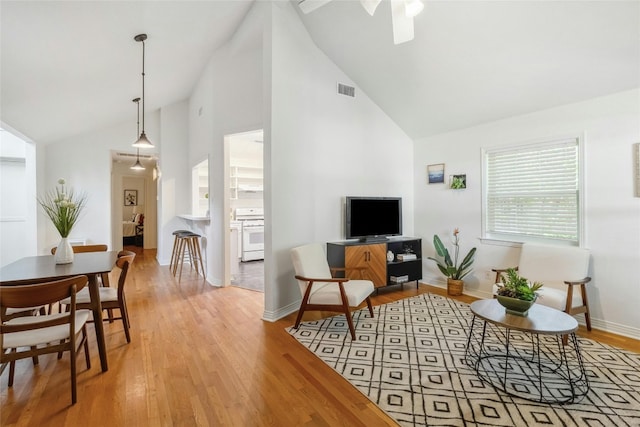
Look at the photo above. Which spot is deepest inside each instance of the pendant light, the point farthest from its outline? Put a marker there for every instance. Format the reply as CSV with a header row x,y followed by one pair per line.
x,y
142,141
137,165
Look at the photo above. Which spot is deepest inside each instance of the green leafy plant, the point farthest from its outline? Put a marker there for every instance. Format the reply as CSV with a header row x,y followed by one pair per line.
x,y
448,266
63,207
516,286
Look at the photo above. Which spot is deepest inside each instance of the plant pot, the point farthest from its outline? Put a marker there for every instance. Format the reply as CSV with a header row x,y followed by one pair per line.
x,y
64,252
454,287
515,306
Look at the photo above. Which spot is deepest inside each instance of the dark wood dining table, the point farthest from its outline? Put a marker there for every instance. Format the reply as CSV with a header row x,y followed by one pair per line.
x,y
34,269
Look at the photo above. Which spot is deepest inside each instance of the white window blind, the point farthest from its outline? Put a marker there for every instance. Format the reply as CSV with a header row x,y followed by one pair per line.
x,y
532,192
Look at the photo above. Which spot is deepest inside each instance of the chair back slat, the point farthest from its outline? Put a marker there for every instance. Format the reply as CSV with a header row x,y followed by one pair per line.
x,y
84,248
21,296
123,262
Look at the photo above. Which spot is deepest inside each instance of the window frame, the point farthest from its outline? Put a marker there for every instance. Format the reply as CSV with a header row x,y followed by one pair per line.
x,y
518,239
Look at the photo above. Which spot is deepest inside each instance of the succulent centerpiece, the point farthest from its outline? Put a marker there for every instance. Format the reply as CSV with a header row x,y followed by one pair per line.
x,y
516,294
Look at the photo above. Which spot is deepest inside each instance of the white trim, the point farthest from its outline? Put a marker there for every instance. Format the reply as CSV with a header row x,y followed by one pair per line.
x,y
273,316
13,219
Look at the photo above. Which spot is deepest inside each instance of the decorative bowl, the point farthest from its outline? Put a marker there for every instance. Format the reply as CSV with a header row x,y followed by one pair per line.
x,y
515,306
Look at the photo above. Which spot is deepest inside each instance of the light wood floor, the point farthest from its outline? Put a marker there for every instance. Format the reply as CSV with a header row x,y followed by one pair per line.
x,y
199,356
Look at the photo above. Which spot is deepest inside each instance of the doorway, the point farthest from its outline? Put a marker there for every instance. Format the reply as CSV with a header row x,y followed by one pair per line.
x,y
245,202
134,201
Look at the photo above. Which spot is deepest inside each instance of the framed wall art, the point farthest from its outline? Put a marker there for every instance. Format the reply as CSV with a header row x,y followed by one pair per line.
x,y
131,197
458,182
435,173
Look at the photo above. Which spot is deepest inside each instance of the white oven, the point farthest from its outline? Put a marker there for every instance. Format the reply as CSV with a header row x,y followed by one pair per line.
x,y
252,230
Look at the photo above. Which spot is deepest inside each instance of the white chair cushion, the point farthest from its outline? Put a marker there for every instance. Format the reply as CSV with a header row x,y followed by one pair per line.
x,y
43,335
83,297
356,291
310,261
552,266
554,298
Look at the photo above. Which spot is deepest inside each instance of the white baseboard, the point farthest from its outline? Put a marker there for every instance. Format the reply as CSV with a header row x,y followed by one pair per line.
x,y
272,316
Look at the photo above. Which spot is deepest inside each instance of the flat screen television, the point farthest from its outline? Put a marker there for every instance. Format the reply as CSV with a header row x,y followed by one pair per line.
x,y
373,218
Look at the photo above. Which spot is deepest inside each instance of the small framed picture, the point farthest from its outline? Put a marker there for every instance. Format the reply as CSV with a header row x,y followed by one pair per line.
x,y
435,173
131,197
457,182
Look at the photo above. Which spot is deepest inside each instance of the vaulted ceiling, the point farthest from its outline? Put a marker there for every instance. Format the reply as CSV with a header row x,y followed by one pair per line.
x,y
73,67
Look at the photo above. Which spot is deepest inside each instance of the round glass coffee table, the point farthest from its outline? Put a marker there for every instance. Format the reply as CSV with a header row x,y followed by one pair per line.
x,y
535,357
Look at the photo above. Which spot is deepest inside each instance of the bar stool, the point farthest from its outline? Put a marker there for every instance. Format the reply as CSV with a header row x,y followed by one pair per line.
x,y
174,252
189,242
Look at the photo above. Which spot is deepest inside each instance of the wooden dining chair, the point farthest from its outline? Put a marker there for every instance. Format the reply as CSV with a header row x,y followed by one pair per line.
x,y
77,249
111,298
26,337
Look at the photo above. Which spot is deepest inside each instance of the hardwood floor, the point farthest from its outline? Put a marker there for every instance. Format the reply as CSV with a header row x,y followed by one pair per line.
x,y
198,356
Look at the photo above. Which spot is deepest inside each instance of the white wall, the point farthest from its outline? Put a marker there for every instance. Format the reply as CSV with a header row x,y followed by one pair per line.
x,y
174,197
612,222
319,148
227,99
17,199
85,162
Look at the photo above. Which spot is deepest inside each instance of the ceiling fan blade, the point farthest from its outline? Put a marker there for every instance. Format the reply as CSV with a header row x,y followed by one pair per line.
x,y
370,5
307,6
402,24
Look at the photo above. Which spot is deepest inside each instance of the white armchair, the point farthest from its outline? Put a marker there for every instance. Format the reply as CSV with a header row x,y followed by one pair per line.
x,y
320,291
564,272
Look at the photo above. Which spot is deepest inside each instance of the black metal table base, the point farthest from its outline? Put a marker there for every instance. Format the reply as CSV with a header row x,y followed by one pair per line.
x,y
536,367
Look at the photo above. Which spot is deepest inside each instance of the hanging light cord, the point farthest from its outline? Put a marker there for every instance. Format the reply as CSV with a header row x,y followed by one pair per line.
x,y
142,90
137,101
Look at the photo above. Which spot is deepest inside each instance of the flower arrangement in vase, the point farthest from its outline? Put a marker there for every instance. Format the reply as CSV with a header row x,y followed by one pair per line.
x,y
63,207
449,267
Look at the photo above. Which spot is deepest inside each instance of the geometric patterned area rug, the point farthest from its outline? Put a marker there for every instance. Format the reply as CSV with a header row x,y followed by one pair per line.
x,y
409,359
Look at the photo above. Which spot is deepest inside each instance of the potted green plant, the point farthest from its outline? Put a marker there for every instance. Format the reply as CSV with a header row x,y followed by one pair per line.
x,y
449,267
516,294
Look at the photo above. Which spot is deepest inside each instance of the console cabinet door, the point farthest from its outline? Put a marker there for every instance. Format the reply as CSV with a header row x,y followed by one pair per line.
x,y
374,257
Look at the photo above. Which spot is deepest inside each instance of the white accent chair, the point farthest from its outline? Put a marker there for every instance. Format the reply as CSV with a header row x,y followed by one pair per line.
x,y
320,291
563,270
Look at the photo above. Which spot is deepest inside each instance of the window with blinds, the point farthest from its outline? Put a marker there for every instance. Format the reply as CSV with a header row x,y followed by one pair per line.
x,y
532,192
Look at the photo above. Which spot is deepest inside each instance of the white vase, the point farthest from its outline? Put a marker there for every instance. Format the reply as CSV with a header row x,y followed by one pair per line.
x,y
64,252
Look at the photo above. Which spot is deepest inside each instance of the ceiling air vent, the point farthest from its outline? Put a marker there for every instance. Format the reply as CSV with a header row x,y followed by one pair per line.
x,y
346,90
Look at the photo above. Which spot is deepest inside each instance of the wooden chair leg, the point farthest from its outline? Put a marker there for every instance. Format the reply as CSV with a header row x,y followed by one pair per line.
x,y
74,392
105,280
301,311
350,322
347,313
125,325
12,369
370,307
585,302
34,358
87,357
